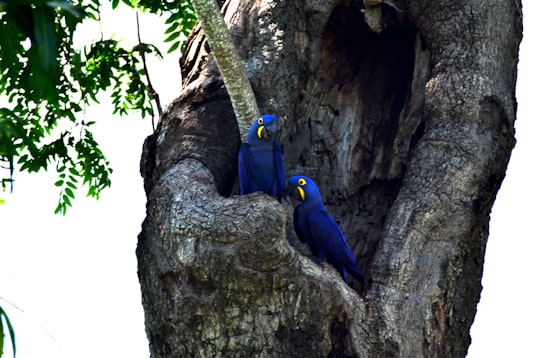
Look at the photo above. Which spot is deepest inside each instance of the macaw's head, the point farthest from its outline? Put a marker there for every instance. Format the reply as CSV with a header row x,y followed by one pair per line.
x,y
264,128
303,189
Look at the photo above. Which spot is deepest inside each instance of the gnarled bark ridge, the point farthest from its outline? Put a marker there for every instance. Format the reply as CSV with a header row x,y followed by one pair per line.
x,y
403,113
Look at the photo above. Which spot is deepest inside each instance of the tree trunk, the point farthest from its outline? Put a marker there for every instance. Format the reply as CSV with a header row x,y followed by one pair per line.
x,y
402,112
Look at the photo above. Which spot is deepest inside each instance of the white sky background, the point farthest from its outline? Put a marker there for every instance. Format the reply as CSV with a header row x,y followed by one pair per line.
x,y
75,277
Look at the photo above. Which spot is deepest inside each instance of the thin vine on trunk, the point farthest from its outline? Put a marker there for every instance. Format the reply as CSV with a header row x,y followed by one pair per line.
x,y
229,63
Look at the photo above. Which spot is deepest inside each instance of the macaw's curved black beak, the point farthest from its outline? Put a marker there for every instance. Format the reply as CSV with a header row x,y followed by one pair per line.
x,y
268,132
295,191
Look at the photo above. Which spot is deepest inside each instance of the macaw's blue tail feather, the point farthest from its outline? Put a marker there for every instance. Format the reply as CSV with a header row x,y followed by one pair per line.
x,y
351,268
357,274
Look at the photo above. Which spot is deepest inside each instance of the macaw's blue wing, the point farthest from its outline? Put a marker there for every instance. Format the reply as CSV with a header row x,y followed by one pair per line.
x,y
247,184
327,241
279,166
261,169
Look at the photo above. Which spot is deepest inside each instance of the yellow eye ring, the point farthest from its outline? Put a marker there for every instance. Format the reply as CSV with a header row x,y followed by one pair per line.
x,y
302,181
260,120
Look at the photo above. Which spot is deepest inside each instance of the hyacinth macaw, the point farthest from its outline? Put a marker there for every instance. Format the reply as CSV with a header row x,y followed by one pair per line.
x,y
314,226
260,160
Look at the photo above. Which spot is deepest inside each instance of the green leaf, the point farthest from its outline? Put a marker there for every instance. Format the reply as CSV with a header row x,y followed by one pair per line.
x,y
1,336
70,193
66,200
74,171
171,28
4,318
59,182
175,35
60,209
173,47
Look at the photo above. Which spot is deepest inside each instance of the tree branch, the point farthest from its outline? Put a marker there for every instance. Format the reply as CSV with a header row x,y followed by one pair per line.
x,y
153,93
229,63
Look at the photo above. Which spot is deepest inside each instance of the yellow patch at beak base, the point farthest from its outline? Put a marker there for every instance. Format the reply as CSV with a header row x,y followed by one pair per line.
x,y
301,192
259,131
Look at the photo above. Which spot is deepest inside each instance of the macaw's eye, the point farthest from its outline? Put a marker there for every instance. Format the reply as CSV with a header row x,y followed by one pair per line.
x,y
302,181
260,120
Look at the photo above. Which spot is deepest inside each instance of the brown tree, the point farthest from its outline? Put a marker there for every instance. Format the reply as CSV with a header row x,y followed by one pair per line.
x,y
402,111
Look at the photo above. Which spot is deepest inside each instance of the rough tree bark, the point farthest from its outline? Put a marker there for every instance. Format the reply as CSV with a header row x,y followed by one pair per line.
x,y
402,111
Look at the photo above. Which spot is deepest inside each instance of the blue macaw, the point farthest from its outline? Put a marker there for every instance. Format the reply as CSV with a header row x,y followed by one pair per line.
x,y
314,226
260,160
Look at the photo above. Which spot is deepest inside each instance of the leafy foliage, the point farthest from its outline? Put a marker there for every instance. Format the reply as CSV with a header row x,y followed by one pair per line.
x,y
5,319
48,84
181,21
181,17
